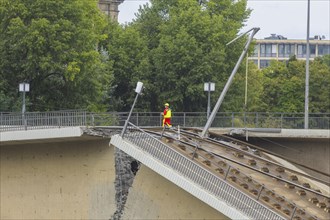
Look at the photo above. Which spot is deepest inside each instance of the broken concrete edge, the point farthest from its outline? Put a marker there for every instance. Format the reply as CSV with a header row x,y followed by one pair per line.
x,y
274,132
126,168
177,179
55,134
39,134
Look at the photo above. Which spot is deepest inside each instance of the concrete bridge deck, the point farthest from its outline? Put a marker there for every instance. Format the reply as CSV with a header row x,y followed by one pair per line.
x,y
85,184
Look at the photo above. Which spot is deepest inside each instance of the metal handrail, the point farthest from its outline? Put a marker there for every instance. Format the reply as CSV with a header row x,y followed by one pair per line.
x,y
43,120
199,175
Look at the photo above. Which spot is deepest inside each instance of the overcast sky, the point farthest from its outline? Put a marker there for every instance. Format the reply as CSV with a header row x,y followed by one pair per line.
x,y
282,17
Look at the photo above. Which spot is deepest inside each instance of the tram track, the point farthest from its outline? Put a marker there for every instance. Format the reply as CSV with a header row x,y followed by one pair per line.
x,y
293,194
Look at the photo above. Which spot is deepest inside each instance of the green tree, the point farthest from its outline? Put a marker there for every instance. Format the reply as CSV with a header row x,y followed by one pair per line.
x,y
284,87
128,53
235,101
52,44
319,84
186,43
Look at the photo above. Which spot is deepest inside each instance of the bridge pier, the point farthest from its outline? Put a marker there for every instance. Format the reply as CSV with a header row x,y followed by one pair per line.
x,y
57,179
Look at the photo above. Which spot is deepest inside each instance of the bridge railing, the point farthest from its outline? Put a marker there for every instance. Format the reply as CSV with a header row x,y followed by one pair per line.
x,y
40,120
222,119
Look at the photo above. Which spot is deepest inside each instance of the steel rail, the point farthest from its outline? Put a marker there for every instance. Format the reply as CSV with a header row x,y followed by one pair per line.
x,y
252,168
260,158
275,154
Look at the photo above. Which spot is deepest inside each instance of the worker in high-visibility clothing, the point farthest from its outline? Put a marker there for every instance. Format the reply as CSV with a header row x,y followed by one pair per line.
x,y
167,114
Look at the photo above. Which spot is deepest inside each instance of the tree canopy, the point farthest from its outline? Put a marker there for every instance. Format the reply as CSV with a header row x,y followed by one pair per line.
x,y
53,45
74,57
184,44
284,86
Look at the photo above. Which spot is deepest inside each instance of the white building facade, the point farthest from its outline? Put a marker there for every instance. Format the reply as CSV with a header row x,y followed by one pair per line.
x,y
280,48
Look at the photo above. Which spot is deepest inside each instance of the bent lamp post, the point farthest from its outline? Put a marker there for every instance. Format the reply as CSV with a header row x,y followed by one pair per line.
x,y
225,89
24,87
209,87
138,90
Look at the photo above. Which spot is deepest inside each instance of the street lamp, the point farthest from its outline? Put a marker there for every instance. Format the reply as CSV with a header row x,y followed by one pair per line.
x,y
138,90
307,68
24,87
229,81
209,87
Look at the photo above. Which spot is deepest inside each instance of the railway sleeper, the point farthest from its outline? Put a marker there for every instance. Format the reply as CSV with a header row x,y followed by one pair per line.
x,y
234,171
252,162
220,170
246,148
209,156
321,205
194,155
277,206
280,169
287,212
306,185
265,169
247,179
293,178
289,186
254,191
182,147
238,155
222,163
313,200
244,185
207,162
301,192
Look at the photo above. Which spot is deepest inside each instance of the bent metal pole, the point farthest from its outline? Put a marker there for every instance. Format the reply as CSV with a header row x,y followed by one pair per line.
x,y
225,89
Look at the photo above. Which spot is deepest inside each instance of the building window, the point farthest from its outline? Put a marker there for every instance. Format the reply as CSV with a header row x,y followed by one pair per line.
x,y
264,63
301,50
262,50
255,51
323,49
312,50
285,50
274,50
268,50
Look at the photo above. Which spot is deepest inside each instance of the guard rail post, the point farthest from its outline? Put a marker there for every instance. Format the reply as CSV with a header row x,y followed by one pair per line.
x,y
294,212
259,194
184,119
232,120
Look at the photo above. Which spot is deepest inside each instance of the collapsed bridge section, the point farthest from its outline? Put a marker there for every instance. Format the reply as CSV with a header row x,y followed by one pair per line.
x,y
238,181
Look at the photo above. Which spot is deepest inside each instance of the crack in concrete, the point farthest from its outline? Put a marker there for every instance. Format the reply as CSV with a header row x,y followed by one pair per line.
x,y
126,169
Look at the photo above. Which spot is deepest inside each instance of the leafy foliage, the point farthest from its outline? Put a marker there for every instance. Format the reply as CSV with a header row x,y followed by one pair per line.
x,y
185,46
73,57
52,45
284,86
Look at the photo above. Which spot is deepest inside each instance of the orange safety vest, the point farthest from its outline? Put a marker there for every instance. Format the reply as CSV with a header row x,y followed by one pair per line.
x,y
168,113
